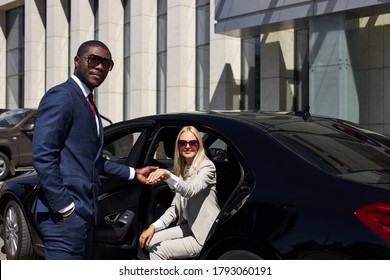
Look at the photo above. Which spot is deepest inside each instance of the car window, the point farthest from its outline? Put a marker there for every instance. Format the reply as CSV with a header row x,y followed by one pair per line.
x,y
31,120
217,151
334,153
119,148
11,118
227,165
164,147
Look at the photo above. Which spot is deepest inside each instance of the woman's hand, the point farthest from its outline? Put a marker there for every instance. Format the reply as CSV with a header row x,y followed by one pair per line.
x,y
158,175
146,236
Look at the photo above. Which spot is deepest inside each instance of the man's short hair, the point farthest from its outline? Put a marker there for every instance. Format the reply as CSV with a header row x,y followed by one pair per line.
x,y
92,43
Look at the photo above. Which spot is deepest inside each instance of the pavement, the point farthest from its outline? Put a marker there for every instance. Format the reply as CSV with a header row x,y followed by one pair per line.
x,y
2,256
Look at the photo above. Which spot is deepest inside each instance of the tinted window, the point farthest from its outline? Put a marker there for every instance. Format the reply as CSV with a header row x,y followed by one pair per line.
x,y
336,155
163,153
119,148
11,118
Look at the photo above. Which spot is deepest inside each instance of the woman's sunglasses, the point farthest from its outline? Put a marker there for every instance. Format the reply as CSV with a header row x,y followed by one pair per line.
x,y
94,60
192,143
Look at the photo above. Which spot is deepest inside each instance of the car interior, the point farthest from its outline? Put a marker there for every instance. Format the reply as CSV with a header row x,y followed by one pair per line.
x,y
118,221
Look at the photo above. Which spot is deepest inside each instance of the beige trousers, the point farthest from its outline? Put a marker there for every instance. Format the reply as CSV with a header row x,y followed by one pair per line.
x,y
174,243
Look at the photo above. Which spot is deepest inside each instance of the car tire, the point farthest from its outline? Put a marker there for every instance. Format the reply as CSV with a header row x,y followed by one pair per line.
x,y
4,166
239,255
17,239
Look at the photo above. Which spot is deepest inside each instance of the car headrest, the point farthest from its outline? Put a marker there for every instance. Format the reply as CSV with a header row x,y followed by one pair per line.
x,y
169,139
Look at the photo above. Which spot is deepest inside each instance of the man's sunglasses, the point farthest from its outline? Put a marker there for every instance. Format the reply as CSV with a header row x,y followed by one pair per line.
x,y
94,60
192,143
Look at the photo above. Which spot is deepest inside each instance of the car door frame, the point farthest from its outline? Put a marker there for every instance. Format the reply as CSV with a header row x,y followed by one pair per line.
x,y
116,234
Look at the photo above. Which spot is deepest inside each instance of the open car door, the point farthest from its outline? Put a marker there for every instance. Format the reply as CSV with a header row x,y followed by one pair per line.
x,y
116,232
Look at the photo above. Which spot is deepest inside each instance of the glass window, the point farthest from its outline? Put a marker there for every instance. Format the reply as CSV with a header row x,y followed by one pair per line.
x,y
162,57
15,58
127,60
119,148
339,153
12,117
202,55
161,82
96,18
203,77
301,69
250,69
203,25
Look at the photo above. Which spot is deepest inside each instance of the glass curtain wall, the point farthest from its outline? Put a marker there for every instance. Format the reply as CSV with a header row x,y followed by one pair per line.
x,y
127,38
250,71
162,57
301,73
95,9
15,58
67,4
202,55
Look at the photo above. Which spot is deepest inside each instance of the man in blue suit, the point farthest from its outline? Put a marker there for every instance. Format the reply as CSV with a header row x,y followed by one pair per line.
x,y
67,154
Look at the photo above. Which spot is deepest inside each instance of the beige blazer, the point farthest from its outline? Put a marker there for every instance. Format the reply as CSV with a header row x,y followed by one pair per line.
x,y
202,206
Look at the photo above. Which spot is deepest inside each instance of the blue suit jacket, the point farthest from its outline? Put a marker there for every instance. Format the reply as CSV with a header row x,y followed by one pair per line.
x,y
67,152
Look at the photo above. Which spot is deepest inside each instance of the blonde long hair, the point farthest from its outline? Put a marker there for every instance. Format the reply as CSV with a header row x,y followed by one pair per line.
x,y
180,162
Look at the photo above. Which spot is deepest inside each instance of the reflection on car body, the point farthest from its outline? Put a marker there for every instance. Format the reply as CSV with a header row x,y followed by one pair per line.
x,y
289,187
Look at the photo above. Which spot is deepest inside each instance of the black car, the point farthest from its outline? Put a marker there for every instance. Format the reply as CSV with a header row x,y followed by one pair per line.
x,y
290,186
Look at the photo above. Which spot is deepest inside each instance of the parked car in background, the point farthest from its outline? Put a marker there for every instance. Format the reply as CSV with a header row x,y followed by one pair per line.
x,y
290,186
16,133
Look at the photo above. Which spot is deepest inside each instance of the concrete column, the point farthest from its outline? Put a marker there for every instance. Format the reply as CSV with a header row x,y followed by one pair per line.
x,y
143,57
3,55
81,27
57,41
181,55
277,71
333,45
111,28
34,52
225,69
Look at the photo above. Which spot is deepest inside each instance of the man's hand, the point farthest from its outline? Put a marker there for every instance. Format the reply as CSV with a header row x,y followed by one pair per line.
x,y
143,173
66,215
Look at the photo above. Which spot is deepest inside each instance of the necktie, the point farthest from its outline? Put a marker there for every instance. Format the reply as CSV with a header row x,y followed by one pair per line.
x,y
91,104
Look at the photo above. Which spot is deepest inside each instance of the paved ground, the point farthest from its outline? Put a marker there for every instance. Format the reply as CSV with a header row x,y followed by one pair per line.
x,y
2,256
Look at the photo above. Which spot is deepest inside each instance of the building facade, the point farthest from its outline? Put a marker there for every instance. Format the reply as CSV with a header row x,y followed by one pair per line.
x,y
331,55
187,55
161,50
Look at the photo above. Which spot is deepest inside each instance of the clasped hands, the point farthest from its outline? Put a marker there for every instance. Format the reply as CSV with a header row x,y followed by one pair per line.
x,y
150,175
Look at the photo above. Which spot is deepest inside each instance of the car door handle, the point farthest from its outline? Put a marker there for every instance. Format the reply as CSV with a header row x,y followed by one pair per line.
x,y
112,218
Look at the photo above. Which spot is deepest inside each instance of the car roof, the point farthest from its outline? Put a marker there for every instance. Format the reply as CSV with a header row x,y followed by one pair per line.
x,y
263,120
244,123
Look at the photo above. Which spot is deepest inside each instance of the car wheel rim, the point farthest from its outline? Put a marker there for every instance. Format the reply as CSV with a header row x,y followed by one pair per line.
x,y
11,231
2,166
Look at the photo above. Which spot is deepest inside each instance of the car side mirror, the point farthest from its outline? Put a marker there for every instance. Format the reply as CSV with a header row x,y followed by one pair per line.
x,y
28,127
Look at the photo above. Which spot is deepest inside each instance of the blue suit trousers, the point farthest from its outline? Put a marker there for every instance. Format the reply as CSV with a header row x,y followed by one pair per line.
x,y
65,240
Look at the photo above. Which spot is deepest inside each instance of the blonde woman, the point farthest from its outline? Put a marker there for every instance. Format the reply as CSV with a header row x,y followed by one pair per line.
x,y
194,206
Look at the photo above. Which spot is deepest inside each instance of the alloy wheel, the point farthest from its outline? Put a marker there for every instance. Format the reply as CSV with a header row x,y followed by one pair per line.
x,y
11,231
2,166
